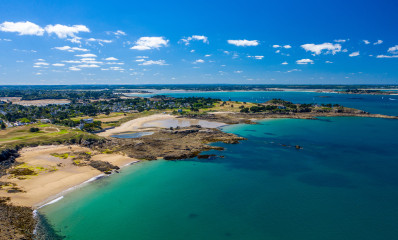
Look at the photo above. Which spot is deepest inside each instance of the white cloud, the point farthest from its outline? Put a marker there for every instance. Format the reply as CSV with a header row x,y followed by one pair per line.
x,y
63,31
319,48
393,50
41,64
256,57
276,46
366,42
120,33
328,62
386,56
140,60
378,42
147,43
74,40
305,61
239,71
354,54
142,57
74,69
22,28
87,55
111,59
58,64
116,68
285,63
90,61
151,62
71,49
199,61
243,43
294,70
6,40
195,38
340,40
71,61
88,66
100,41
208,55
115,63
287,46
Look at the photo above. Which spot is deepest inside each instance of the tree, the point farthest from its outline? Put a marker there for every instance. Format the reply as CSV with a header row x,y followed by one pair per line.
x,y
33,129
3,126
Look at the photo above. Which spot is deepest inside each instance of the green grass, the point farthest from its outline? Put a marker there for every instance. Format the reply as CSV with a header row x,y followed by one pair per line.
x,y
60,155
21,136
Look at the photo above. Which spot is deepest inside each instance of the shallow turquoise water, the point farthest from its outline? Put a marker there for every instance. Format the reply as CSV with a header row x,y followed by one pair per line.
x,y
343,184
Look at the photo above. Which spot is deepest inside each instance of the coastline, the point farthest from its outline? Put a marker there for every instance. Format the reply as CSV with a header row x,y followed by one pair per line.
x,y
49,185
135,124
158,121
55,175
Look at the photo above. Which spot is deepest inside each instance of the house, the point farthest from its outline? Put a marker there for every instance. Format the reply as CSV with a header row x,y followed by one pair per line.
x,y
88,120
45,120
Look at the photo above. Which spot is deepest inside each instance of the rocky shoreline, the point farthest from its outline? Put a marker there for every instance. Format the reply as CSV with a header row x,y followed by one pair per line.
x,y
169,144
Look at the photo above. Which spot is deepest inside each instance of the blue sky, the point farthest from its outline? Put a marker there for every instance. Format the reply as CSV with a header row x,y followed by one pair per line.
x,y
241,42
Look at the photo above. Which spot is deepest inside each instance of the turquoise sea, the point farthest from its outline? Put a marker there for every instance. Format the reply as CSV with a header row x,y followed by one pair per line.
x,y
342,184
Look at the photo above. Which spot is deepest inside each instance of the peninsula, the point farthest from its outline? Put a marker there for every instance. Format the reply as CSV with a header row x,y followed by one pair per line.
x,y
48,149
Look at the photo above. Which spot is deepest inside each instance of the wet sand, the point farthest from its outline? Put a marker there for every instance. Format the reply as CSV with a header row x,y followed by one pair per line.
x,y
158,121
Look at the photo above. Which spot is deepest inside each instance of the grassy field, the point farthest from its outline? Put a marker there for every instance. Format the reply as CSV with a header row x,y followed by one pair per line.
x,y
47,134
227,106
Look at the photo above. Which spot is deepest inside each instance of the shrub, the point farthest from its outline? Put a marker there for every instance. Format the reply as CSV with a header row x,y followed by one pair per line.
x,y
33,129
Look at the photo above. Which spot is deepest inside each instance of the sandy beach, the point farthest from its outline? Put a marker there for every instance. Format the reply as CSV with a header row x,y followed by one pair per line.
x,y
135,125
57,174
158,121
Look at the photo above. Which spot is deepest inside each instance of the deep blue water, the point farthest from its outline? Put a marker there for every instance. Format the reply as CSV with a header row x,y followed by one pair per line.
x,y
371,103
342,184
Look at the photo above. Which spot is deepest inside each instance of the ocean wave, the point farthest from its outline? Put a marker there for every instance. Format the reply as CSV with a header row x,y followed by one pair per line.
x,y
49,203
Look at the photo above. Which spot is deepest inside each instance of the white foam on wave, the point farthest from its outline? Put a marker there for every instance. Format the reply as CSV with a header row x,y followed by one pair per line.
x,y
49,203
128,164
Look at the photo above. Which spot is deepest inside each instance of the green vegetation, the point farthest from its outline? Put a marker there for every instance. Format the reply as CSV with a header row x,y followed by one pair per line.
x,y
33,129
21,136
22,172
60,155
284,107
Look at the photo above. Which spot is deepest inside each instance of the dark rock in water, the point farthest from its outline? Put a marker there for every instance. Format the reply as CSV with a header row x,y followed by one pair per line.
x,y
102,166
207,156
298,147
